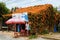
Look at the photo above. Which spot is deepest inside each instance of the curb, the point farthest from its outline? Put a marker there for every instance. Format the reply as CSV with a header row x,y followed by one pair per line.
x,y
51,38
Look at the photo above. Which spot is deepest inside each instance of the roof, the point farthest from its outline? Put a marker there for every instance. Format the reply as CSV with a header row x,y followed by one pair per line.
x,y
31,9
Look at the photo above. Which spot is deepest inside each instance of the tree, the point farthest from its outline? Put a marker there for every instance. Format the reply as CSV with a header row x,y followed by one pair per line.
x,y
14,9
55,9
3,9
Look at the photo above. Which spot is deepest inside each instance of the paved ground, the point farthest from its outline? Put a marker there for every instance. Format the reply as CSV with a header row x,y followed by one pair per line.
x,y
9,36
55,36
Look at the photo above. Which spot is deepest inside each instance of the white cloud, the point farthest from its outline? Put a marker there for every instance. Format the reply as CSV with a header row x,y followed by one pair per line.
x,y
33,0
3,0
25,3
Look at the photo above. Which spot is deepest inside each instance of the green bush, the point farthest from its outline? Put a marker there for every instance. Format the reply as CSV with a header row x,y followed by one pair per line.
x,y
32,36
45,32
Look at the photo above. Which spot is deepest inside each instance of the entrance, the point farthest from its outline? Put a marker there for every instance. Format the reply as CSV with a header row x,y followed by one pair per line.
x,y
20,27
58,27
23,26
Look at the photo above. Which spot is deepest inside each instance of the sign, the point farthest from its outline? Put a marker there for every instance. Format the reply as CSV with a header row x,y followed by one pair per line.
x,y
23,16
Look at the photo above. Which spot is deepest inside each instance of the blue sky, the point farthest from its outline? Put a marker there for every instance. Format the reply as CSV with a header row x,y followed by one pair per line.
x,y
26,3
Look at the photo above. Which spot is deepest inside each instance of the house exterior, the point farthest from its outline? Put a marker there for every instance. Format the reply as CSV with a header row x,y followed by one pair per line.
x,y
44,10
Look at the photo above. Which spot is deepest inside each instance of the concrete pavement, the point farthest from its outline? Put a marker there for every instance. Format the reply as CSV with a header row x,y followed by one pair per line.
x,y
9,36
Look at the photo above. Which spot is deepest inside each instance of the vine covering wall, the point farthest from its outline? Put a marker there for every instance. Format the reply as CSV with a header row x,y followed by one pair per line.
x,y
42,20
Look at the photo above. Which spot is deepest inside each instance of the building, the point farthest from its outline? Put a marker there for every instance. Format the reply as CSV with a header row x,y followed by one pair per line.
x,y
45,10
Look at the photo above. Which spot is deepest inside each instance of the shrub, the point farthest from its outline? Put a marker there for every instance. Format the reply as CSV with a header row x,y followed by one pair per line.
x,y
32,36
45,32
